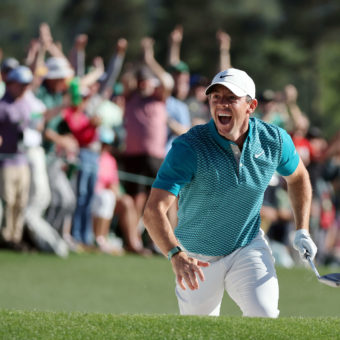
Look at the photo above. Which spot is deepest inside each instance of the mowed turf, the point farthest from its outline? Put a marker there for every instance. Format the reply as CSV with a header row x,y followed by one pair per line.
x,y
58,325
132,284
96,296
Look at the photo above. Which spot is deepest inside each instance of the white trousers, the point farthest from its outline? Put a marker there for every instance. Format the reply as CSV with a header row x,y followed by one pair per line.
x,y
247,275
40,194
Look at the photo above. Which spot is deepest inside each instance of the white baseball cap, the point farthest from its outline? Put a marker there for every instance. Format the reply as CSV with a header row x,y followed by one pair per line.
x,y
237,81
58,68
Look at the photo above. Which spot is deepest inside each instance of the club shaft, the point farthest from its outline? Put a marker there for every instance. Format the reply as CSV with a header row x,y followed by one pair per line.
x,y
313,266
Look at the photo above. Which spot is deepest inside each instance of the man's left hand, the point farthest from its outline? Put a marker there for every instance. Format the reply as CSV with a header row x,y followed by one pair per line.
x,y
304,244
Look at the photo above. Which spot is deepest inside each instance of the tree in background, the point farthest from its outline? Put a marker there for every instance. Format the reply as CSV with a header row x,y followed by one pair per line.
x,y
276,41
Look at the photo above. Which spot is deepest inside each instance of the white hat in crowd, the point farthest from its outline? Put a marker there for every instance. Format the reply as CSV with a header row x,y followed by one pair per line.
x,y
237,81
21,74
58,68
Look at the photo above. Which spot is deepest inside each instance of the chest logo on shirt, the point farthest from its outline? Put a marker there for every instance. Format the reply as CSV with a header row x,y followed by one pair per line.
x,y
257,155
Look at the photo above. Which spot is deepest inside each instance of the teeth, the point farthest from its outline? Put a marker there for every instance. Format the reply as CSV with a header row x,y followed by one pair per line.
x,y
224,115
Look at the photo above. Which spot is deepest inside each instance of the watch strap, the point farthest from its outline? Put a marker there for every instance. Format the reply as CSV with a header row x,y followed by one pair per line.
x,y
173,252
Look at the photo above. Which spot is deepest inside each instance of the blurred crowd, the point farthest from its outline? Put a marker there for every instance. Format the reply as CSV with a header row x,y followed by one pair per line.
x,y
81,144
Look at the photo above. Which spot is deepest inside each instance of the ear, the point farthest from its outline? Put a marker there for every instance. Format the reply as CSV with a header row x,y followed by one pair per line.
x,y
252,106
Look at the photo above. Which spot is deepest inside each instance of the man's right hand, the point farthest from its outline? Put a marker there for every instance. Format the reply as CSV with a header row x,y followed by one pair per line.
x,y
186,268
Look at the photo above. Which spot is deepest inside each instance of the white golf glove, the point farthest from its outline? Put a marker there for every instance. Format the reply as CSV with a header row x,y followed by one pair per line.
x,y
304,244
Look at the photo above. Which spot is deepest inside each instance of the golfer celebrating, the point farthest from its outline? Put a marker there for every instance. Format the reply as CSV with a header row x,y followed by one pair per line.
x,y
220,172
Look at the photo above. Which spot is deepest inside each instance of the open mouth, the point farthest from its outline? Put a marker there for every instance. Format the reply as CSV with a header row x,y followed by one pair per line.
x,y
224,118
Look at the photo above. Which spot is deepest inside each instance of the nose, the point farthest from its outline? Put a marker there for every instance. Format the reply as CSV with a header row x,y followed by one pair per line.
x,y
224,101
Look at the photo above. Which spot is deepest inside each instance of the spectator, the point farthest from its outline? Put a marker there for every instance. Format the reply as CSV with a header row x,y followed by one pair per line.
x,y
331,209
277,221
84,130
197,100
106,190
58,146
300,125
273,109
109,201
179,120
44,236
110,113
145,124
14,169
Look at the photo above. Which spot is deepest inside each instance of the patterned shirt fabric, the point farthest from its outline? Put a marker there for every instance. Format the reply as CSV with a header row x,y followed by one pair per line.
x,y
220,192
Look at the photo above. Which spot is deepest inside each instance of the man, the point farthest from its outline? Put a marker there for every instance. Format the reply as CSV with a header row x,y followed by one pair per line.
x,y
145,123
220,171
14,169
52,93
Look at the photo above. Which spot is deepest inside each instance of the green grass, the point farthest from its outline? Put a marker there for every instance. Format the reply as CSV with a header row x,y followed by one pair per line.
x,y
132,284
96,296
53,325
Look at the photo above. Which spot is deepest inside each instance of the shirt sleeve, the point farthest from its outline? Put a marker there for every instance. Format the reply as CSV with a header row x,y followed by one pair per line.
x,y
178,168
289,156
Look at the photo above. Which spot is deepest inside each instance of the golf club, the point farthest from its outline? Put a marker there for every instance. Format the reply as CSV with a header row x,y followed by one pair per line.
x,y
332,280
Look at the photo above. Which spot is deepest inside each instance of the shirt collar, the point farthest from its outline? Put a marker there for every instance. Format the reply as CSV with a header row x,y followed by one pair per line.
x,y
226,142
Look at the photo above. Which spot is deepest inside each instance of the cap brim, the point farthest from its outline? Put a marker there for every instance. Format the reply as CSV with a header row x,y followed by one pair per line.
x,y
233,88
59,75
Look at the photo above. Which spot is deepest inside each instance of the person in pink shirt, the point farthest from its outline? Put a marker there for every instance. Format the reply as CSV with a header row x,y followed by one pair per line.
x,y
145,123
109,201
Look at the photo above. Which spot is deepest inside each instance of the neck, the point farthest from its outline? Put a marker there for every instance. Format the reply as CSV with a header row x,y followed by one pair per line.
x,y
243,135
240,141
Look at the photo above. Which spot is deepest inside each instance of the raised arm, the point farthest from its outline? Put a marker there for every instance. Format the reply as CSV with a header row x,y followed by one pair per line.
x,y
149,59
91,77
175,41
77,54
47,40
224,47
115,67
35,60
299,119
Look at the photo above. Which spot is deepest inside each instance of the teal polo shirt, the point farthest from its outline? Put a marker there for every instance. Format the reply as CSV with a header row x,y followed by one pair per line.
x,y
220,188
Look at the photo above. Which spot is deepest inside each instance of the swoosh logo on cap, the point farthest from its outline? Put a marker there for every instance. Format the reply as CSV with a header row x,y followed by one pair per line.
x,y
226,75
